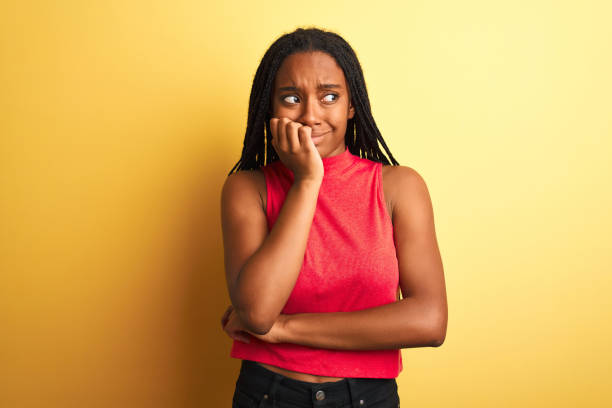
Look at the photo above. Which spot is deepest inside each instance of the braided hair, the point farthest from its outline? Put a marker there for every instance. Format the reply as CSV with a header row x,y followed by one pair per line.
x,y
362,134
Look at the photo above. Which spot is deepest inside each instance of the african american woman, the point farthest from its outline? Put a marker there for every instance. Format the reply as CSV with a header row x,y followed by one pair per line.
x,y
322,233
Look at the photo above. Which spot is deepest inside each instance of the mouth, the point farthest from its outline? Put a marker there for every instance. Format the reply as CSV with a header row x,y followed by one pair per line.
x,y
313,135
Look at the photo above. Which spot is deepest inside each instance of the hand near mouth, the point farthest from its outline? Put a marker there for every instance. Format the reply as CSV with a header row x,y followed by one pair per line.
x,y
295,148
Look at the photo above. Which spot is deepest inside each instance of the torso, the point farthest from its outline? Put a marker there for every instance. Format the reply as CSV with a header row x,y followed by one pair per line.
x,y
387,173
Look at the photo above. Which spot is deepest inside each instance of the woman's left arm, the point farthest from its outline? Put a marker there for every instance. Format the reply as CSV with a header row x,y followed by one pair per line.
x,y
417,320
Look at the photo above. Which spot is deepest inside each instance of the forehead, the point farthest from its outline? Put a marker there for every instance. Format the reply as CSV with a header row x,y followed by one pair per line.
x,y
309,68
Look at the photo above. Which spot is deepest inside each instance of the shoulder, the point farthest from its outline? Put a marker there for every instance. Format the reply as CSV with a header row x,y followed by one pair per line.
x,y
404,188
401,175
244,184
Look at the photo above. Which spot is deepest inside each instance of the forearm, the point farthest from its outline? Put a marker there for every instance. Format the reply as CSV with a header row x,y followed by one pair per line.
x,y
267,279
409,322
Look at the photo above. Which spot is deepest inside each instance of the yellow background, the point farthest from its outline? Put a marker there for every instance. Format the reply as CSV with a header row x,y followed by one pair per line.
x,y
121,119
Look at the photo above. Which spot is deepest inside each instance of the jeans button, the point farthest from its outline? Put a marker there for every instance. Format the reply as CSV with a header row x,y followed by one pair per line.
x,y
320,395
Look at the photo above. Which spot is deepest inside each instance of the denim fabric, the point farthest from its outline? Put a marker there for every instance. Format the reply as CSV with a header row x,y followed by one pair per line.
x,y
258,387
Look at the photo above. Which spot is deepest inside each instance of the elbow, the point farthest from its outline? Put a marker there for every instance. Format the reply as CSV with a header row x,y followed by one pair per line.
x,y
438,340
251,313
439,331
255,322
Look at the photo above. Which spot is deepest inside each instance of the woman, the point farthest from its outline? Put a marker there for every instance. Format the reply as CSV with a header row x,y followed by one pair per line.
x,y
320,233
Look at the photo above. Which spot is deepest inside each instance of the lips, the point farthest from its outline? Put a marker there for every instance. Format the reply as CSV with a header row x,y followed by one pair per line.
x,y
319,134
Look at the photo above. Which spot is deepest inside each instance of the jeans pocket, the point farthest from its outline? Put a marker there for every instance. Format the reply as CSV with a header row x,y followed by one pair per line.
x,y
389,401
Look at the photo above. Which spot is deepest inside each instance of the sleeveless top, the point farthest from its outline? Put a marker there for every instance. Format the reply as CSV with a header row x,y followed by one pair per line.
x,y
350,264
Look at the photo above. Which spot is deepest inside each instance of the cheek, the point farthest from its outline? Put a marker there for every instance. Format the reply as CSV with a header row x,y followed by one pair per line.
x,y
278,110
281,112
340,119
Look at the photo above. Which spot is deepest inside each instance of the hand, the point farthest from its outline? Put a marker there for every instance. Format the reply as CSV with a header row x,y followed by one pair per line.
x,y
233,326
295,148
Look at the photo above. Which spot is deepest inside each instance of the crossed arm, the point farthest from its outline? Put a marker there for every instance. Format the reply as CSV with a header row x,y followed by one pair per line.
x,y
405,323
417,320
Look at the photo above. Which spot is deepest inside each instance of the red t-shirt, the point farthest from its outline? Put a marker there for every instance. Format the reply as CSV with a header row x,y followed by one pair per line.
x,y
350,264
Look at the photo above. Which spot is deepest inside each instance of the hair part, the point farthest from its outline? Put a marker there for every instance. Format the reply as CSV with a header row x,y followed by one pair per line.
x,y
362,135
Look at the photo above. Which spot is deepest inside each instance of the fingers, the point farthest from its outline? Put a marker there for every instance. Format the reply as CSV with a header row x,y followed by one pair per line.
x,y
278,128
304,137
282,133
242,336
289,136
239,335
231,328
292,136
225,316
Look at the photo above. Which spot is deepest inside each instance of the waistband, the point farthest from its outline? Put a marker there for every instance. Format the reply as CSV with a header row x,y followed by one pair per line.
x,y
256,379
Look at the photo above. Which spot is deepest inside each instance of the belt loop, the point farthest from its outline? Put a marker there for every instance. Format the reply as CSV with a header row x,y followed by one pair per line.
x,y
353,392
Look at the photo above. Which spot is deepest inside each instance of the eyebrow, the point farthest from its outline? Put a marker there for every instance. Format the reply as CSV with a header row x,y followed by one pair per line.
x,y
320,86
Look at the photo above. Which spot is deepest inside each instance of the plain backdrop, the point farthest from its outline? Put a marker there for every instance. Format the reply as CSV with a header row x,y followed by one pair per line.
x,y
119,121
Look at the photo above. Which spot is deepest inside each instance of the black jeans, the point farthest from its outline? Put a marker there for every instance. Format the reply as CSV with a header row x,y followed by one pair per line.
x,y
258,387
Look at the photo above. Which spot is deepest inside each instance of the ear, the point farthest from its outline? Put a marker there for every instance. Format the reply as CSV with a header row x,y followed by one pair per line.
x,y
351,111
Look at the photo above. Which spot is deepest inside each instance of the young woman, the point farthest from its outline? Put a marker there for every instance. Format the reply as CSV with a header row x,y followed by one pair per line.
x,y
321,231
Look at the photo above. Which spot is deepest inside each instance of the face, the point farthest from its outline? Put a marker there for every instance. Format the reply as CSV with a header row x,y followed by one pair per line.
x,y
310,89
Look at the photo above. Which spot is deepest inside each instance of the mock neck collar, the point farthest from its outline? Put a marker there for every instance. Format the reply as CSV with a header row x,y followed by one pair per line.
x,y
337,163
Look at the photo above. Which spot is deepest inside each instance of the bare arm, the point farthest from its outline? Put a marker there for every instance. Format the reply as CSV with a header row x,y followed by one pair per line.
x,y
261,268
409,322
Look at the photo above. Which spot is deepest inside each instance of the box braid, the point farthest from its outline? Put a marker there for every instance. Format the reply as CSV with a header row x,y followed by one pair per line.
x,y
362,134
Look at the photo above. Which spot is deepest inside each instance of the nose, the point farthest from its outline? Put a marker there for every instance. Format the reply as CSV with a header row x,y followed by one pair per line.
x,y
310,114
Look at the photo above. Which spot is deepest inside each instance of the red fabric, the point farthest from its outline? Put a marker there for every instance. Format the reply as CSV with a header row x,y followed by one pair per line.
x,y
350,264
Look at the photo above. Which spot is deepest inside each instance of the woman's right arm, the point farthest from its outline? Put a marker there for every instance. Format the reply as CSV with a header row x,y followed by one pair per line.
x,y
261,268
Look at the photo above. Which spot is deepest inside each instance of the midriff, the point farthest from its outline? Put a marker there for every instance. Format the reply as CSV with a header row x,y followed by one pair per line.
x,y
300,376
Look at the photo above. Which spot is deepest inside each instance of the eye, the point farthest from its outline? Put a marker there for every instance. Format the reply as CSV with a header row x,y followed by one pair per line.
x,y
287,99
327,99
